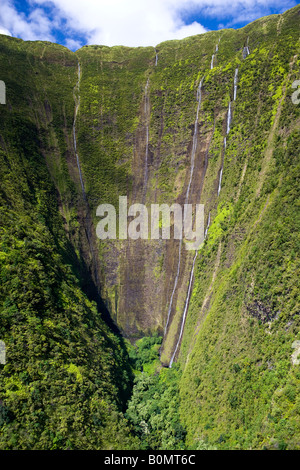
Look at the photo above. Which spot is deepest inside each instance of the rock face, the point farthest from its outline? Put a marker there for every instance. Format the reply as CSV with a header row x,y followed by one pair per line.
x,y
161,126
136,137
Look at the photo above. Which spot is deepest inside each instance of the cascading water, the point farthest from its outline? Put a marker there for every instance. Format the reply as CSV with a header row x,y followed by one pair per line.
x,y
220,180
235,83
213,56
156,58
207,226
228,118
77,103
194,148
195,140
174,287
246,51
187,301
146,110
87,221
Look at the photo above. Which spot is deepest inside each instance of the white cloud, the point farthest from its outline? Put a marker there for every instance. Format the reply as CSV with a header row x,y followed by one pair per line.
x,y
128,22
5,31
72,44
36,26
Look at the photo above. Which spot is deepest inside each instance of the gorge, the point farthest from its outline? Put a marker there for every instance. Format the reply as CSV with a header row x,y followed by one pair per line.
x,y
140,343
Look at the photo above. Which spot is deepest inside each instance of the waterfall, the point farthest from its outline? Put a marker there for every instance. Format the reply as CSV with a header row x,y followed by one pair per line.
x,y
195,140
246,51
235,83
221,171
220,180
87,222
194,148
228,118
187,301
207,226
156,58
175,286
213,56
77,103
146,109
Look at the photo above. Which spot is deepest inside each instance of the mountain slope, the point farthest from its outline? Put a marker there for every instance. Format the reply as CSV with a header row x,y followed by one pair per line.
x,y
66,376
208,119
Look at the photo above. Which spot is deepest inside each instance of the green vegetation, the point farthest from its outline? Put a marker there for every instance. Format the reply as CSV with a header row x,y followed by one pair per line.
x,y
71,379
153,409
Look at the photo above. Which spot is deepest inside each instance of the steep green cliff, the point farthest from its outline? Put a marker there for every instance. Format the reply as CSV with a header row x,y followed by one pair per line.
x,y
209,119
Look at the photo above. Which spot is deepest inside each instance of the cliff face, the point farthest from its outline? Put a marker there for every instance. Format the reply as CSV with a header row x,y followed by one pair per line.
x,y
136,137
209,119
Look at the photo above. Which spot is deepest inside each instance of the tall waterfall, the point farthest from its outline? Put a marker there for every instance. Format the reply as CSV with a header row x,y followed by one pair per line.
x,y
207,226
220,180
246,51
88,220
156,57
186,306
194,148
174,287
235,83
228,118
146,110
77,103
213,56
195,140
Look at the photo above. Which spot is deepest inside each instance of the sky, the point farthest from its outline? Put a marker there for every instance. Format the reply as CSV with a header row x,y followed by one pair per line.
x,y
75,23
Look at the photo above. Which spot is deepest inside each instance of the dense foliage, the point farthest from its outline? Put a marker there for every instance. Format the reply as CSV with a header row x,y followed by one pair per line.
x,y
70,380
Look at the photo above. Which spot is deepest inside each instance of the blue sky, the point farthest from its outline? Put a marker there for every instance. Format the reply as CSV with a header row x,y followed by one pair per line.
x,y
75,23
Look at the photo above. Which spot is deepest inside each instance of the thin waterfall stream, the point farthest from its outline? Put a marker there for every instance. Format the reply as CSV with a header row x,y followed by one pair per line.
x,y
77,104
246,51
146,111
194,148
87,224
207,226
228,123
213,56
235,83
186,306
